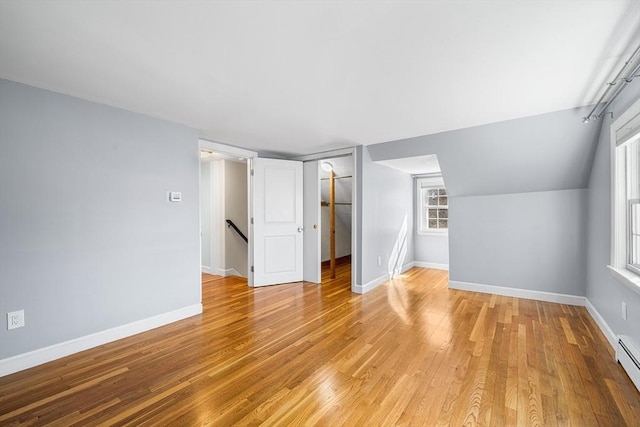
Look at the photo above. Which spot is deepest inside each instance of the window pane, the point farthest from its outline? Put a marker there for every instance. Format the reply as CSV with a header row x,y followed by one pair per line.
x,y
633,169
433,197
634,233
632,183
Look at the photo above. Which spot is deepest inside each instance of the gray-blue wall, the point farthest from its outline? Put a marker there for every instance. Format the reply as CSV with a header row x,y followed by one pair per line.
x,y
533,241
512,221
387,202
88,239
431,248
603,291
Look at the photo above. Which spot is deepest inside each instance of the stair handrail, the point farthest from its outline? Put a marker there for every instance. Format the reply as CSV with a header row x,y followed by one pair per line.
x,y
237,230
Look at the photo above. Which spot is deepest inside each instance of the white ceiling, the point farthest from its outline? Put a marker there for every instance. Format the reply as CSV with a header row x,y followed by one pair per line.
x,y
427,164
304,77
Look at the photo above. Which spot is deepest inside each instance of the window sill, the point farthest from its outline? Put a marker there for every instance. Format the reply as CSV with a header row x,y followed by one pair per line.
x,y
433,233
626,277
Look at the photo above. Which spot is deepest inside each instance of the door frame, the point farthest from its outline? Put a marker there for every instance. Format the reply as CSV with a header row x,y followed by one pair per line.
x,y
355,205
312,221
231,151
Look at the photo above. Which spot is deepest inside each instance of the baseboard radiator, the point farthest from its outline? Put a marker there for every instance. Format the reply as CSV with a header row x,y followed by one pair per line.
x,y
629,357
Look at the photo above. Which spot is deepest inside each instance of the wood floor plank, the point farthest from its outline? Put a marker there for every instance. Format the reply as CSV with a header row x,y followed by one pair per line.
x,y
410,352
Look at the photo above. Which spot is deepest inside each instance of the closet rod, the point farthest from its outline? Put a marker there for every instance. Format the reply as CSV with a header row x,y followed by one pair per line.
x,y
323,203
336,177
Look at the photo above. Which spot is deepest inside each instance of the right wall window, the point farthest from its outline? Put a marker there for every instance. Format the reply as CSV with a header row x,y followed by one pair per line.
x,y
625,146
433,206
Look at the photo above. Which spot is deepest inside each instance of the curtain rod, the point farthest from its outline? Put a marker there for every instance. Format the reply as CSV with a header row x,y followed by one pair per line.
x,y
622,81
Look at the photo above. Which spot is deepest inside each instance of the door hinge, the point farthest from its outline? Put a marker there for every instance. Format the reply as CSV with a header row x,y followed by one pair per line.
x,y
252,268
252,221
251,172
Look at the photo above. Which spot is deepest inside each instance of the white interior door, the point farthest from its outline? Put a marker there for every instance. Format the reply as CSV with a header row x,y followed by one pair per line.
x,y
277,221
312,222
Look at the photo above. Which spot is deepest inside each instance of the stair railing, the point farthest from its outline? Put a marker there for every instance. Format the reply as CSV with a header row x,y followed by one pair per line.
x,y
230,224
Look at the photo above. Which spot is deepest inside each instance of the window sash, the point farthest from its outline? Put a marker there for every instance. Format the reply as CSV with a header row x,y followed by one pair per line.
x,y
633,236
441,222
632,193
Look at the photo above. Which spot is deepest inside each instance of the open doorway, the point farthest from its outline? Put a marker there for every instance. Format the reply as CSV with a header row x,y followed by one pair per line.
x,y
336,197
213,235
224,213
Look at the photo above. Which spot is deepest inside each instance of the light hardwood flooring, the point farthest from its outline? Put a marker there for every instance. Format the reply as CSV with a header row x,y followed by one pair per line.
x,y
410,352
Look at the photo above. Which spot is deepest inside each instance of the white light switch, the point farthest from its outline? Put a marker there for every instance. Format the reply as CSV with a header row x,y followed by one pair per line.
x,y
175,196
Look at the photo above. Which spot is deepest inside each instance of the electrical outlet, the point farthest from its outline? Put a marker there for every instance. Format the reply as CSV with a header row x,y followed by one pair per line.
x,y
624,310
15,319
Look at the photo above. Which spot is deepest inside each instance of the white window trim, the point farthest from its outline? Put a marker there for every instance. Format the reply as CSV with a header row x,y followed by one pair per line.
x,y
619,244
437,181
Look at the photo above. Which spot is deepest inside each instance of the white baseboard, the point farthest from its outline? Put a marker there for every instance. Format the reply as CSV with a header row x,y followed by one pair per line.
x,y
432,265
47,354
228,272
408,266
361,289
519,293
602,324
205,269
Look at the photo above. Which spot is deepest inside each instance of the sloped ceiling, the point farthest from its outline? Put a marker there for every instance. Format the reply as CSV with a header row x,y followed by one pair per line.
x,y
417,165
547,152
304,77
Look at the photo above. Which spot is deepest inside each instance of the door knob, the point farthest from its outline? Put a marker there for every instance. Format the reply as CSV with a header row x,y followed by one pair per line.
x,y
300,229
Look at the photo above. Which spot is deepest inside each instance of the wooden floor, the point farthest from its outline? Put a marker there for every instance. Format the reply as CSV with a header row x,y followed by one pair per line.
x,y
408,352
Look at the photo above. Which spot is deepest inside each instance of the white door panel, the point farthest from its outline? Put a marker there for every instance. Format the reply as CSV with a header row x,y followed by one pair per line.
x,y
280,254
279,195
277,221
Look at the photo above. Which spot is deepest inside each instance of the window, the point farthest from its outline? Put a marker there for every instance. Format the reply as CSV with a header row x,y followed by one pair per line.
x,y
631,154
625,145
634,236
433,205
